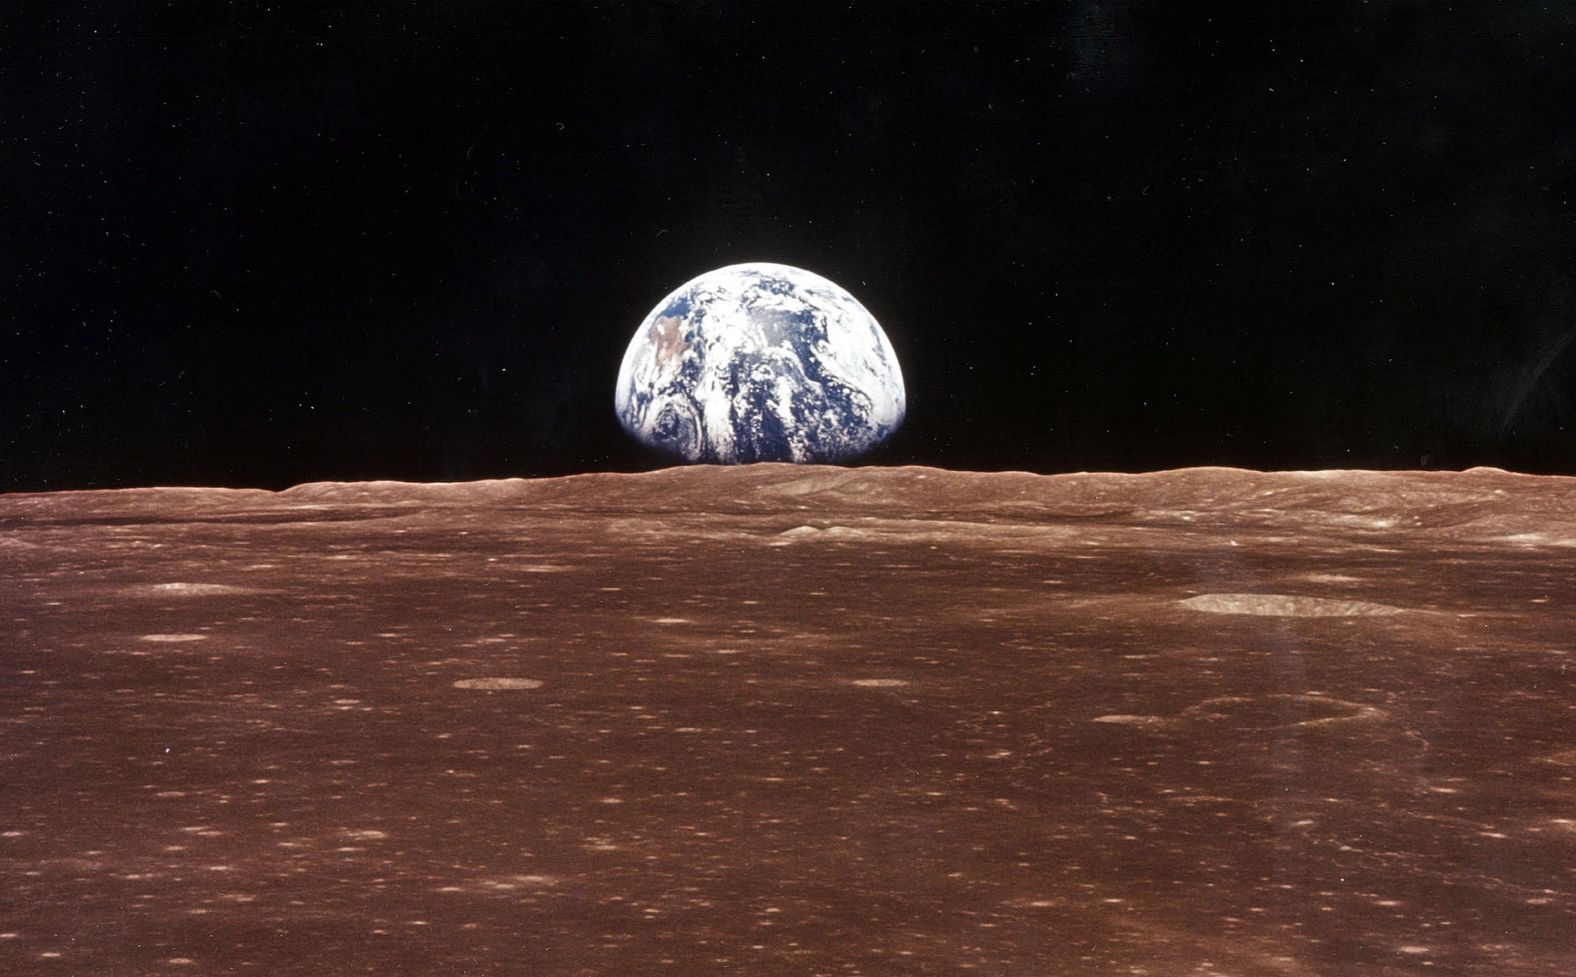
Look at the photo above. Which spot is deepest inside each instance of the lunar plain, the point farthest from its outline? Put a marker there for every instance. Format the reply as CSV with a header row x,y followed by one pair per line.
x,y
793,721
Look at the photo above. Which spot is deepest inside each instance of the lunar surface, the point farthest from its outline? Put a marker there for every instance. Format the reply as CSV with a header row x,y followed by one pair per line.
x,y
760,362
793,720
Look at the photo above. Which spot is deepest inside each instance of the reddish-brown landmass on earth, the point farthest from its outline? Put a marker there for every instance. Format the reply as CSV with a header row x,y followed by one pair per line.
x,y
793,720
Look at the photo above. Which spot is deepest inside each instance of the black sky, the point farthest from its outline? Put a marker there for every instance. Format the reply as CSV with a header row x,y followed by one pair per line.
x,y
256,245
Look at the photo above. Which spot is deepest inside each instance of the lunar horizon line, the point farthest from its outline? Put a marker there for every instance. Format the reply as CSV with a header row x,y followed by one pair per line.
x,y
741,470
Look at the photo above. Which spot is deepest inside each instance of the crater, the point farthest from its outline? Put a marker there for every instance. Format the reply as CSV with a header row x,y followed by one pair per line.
x,y
1331,578
1286,605
1251,713
189,589
494,684
1565,757
1280,711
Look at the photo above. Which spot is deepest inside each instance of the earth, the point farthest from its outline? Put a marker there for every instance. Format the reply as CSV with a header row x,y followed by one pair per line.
x,y
760,362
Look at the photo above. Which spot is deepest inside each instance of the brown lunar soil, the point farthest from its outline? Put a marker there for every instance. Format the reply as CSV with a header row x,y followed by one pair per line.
x,y
796,721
